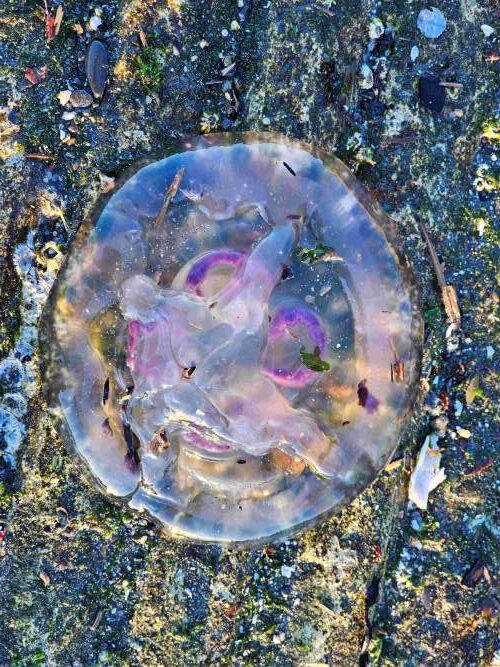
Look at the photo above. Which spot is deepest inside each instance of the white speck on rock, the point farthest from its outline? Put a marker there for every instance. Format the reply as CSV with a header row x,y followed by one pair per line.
x,y
487,30
287,570
366,79
414,53
94,22
431,22
376,29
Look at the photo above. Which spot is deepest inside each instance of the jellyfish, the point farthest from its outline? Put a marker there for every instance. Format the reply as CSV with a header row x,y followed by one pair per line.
x,y
220,346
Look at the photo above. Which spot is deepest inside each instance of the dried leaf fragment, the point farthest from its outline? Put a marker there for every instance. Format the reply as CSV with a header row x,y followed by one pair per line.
x,y
50,31
477,572
471,393
44,577
58,19
35,74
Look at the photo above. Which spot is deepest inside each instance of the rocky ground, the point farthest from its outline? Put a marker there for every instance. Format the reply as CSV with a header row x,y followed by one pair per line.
x,y
84,582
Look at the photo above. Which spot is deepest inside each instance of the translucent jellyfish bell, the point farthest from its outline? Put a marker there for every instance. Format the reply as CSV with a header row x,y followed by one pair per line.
x,y
233,343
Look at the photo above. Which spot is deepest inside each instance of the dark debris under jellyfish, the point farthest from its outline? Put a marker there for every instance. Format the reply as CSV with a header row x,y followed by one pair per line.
x,y
233,343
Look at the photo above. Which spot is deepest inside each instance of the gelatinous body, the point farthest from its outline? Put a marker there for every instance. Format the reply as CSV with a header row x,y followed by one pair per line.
x,y
234,342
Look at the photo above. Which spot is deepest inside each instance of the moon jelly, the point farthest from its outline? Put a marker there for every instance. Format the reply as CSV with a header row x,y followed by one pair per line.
x,y
233,343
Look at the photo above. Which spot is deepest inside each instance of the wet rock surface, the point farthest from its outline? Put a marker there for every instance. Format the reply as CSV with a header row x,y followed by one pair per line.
x,y
84,582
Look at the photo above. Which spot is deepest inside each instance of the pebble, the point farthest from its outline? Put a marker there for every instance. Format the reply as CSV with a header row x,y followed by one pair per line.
x,y
376,29
416,521
266,121
432,95
96,67
490,351
366,79
80,99
487,30
94,22
224,32
414,53
431,22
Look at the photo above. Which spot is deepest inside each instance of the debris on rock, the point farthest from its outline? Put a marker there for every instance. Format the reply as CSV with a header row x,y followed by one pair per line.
x,y
427,474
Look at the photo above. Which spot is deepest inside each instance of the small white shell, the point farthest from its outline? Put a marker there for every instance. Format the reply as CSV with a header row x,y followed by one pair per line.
x,y
431,22
487,30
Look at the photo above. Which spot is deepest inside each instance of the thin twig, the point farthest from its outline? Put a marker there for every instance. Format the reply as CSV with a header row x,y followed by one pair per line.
x,y
326,11
402,139
169,195
448,293
436,264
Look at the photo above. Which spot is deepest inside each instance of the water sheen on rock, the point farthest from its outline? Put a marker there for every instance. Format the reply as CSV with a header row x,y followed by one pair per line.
x,y
233,344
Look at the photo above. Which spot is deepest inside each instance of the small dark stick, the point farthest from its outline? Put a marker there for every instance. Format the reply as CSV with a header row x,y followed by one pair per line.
x,y
169,195
105,391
